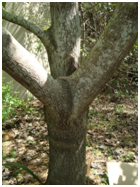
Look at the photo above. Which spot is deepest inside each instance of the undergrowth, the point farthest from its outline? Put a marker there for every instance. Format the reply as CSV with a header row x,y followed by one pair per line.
x,y
9,100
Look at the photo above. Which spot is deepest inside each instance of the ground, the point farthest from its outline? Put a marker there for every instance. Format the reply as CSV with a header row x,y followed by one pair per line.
x,y
112,134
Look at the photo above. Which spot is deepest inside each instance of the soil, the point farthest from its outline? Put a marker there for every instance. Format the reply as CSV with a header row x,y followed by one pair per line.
x,y
112,135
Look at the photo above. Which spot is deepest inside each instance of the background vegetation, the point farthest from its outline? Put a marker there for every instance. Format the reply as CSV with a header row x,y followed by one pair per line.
x,y
112,129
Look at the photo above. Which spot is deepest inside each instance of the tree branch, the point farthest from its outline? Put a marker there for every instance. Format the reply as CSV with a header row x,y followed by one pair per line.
x,y
105,57
43,35
22,22
25,69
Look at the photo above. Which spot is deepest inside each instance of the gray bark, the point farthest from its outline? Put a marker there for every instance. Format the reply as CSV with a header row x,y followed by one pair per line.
x,y
106,56
67,141
65,39
22,22
69,91
25,69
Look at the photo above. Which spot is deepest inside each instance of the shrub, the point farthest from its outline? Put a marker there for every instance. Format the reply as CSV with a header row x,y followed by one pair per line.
x,y
9,100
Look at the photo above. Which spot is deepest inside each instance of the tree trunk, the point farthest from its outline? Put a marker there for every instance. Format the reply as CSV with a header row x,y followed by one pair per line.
x,y
67,133
67,141
66,97
64,48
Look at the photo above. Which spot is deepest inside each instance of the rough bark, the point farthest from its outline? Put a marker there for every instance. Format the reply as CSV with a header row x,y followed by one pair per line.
x,y
25,69
67,141
67,134
68,93
43,35
105,57
22,22
65,39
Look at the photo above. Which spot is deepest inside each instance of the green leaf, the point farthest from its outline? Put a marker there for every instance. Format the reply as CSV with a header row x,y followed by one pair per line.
x,y
3,4
23,167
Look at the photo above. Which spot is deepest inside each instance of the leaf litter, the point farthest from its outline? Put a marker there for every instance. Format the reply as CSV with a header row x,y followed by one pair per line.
x,y
112,135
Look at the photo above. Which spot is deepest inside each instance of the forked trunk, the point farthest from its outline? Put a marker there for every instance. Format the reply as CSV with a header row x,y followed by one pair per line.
x,y
67,140
67,132
67,94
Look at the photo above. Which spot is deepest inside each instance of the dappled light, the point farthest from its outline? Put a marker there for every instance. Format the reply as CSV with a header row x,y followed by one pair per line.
x,y
84,114
111,136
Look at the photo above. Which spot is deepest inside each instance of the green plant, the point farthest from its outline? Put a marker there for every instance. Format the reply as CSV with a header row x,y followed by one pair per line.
x,y
19,176
111,125
120,108
128,156
84,51
9,100
136,98
30,98
3,4
12,153
23,167
105,179
118,93
110,158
